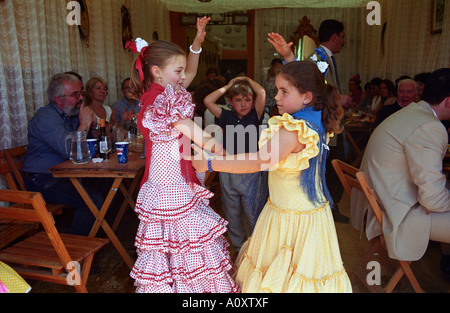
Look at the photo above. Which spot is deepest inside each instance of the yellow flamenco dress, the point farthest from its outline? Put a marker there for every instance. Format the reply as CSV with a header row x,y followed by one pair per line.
x,y
294,246
11,282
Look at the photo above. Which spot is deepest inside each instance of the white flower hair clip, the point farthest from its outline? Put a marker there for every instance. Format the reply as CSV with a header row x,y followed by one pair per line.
x,y
138,45
319,58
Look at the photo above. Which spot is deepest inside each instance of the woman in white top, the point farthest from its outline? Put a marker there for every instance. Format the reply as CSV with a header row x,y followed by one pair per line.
x,y
96,93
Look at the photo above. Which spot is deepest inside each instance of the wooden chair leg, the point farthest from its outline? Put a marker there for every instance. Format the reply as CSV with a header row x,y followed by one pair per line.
x,y
410,275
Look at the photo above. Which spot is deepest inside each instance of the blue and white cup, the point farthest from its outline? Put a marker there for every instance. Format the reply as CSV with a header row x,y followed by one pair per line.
x,y
122,151
92,143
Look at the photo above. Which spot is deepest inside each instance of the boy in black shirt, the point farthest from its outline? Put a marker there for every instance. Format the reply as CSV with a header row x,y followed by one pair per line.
x,y
240,193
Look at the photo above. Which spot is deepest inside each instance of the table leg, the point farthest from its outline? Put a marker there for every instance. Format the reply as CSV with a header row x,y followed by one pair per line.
x,y
129,200
100,216
354,145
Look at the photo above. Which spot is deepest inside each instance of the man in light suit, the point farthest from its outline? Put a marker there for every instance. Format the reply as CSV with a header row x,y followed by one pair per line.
x,y
332,38
403,161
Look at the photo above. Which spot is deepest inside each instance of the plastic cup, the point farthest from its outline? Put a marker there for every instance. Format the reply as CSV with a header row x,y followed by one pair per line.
x,y
92,143
122,152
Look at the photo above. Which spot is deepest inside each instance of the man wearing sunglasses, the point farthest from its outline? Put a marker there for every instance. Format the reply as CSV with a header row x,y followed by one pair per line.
x,y
47,132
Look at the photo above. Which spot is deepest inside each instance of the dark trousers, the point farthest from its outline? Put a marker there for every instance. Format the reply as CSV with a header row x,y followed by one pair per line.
x,y
62,191
333,183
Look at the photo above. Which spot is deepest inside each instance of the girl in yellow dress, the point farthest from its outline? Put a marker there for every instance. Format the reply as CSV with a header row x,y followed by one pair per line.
x,y
294,246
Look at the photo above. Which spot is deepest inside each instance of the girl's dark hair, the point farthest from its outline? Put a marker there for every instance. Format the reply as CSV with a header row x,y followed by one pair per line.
x,y
305,76
158,53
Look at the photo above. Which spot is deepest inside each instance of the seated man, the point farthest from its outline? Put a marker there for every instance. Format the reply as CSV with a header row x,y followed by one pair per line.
x,y
403,161
47,132
406,94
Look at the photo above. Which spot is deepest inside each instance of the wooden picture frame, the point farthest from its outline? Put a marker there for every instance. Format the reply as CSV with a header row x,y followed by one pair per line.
x,y
127,33
84,28
437,16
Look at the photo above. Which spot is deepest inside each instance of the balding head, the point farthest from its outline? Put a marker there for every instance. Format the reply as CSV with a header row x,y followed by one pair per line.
x,y
406,92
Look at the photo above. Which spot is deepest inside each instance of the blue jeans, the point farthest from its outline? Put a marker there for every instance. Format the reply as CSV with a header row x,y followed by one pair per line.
x,y
243,197
62,191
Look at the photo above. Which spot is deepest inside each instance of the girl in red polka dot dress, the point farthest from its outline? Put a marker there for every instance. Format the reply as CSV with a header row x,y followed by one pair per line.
x,y
180,243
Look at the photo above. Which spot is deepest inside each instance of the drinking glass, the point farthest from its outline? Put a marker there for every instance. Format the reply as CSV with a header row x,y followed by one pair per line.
x,y
105,147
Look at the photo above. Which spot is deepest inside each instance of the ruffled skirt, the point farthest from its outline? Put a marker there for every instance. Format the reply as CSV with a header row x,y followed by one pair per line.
x,y
180,243
292,252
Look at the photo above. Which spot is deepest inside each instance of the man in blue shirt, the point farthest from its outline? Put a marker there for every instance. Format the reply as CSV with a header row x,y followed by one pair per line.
x,y
47,132
126,104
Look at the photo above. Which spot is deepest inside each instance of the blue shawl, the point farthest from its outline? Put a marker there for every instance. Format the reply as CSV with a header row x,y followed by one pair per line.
x,y
313,120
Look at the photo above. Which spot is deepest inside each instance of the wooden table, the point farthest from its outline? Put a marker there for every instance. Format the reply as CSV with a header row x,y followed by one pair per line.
x,y
357,133
132,170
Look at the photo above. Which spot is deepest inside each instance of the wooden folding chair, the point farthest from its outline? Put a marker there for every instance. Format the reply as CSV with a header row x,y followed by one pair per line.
x,y
11,230
347,175
403,268
14,159
48,255
351,177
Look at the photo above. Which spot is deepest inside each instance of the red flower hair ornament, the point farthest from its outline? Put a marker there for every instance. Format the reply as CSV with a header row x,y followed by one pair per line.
x,y
139,45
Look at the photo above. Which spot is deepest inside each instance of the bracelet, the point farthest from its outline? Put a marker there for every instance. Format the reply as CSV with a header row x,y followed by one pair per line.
x,y
209,164
195,52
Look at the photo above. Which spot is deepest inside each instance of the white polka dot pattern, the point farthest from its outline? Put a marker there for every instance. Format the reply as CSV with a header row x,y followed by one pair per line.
x,y
179,241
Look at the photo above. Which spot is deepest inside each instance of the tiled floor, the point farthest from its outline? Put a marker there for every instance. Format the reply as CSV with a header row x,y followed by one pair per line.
x,y
114,274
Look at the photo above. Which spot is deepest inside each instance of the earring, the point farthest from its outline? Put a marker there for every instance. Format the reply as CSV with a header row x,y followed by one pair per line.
x,y
160,79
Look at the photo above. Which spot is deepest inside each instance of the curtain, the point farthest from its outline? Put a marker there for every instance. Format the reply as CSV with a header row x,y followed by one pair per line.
x,y
36,42
406,46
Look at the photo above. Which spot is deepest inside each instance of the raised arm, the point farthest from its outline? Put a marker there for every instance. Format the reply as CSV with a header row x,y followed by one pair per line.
x,y
210,100
193,58
283,48
260,101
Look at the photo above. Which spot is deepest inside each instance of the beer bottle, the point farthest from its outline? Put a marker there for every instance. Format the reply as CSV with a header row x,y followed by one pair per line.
x,y
102,140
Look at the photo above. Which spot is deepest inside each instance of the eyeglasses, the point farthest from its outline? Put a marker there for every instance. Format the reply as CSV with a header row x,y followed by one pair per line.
x,y
75,95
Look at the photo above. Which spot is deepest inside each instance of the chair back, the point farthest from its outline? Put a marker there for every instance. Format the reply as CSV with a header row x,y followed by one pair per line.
x,y
36,213
45,255
347,175
371,196
5,171
14,158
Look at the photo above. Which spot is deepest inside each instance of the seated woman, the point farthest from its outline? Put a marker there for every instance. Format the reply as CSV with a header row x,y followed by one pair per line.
x,y
96,93
356,93
388,94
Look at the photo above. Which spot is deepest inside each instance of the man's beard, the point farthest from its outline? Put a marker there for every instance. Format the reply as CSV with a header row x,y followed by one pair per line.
x,y
74,111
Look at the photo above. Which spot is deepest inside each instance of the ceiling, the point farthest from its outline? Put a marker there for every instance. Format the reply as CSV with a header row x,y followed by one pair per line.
x,y
235,37
223,6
